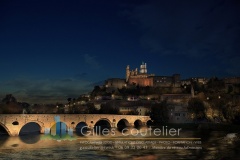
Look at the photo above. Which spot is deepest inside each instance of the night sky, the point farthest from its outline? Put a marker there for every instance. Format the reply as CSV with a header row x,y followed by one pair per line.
x,y
52,50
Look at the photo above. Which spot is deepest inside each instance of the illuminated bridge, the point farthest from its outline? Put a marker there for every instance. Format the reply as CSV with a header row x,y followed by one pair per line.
x,y
14,123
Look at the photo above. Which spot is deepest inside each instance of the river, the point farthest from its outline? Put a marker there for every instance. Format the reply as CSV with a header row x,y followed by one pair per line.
x,y
132,145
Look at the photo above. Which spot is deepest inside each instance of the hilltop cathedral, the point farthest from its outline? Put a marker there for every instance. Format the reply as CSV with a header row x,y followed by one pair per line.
x,y
142,78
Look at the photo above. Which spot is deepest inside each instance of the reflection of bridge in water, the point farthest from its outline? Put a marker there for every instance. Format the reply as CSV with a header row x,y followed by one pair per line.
x,y
13,123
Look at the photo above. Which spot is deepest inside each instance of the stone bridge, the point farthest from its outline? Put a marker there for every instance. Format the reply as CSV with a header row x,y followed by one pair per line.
x,y
13,123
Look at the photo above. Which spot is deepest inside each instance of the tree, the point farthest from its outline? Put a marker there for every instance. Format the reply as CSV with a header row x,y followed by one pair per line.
x,y
26,107
159,112
60,108
197,107
107,108
228,113
69,100
133,113
40,109
230,89
9,98
91,109
236,119
12,108
214,85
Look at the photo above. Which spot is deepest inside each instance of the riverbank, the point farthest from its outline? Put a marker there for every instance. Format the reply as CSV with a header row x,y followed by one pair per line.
x,y
203,126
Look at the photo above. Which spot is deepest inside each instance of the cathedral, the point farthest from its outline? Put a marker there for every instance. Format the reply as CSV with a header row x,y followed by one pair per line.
x,y
142,78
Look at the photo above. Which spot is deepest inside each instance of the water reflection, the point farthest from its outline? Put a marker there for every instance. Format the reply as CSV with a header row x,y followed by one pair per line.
x,y
31,146
3,139
30,138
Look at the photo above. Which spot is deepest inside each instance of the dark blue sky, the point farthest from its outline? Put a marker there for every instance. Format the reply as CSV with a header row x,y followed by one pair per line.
x,y
52,50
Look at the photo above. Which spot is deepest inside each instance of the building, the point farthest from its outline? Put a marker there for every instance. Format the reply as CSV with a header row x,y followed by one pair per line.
x,y
177,110
167,81
178,113
115,83
201,80
143,110
176,98
136,110
125,110
232,80
232,84
142,78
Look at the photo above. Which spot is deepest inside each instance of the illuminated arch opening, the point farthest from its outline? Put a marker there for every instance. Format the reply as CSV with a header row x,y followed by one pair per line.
x,y
138,123
30,133
102,127
123,123
30,128
81,128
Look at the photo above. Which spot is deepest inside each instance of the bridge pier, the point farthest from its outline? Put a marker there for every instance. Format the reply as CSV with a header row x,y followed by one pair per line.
x,y
42,130
12,130
130,125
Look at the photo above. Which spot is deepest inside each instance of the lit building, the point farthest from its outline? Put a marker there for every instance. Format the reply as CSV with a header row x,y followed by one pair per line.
x,y
232,80
142,78
178,113
201,80
114,83
177,110
137,110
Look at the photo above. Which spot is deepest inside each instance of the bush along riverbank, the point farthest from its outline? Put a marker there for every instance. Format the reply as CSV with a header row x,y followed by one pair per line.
x,y
202,126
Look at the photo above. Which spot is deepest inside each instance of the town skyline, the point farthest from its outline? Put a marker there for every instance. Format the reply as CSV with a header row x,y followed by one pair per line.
x,y
55,50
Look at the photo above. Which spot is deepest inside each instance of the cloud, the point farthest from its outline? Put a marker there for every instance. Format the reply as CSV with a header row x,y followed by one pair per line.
x,y
196,29
91,61
81,75
46,90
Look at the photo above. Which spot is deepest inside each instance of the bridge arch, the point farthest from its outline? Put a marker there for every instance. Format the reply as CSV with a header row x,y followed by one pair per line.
x,y
101,125
6,129
104,120
138,123
122,123
81,124
81,128
24,128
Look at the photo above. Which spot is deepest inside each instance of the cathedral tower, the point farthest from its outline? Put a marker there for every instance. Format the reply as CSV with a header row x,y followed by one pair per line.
x,y
143,68
127,73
